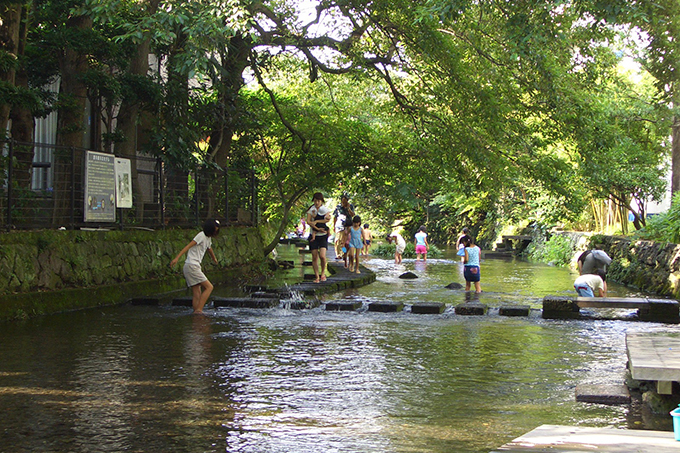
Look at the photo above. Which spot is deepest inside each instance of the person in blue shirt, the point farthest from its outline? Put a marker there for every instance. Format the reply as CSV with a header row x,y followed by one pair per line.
x,y
471,262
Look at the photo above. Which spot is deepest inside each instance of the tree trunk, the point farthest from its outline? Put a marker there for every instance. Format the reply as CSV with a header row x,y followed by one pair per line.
x,y
675,152
71,123
129,116
10,22
23,123
234,64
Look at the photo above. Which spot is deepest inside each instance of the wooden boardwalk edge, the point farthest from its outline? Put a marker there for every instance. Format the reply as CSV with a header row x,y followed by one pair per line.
x,y
574,439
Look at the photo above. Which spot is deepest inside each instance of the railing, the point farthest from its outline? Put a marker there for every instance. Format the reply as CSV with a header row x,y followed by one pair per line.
x,y
44,186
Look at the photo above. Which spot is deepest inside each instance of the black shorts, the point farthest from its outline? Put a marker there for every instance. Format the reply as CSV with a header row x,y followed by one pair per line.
x,y
471,273
319,242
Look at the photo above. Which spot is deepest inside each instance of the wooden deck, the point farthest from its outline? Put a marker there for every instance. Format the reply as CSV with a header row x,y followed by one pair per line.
x,y
573,439
655,357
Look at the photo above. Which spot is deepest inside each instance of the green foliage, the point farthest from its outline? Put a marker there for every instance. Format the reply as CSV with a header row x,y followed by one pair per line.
x,y
664,227
557,251
387,251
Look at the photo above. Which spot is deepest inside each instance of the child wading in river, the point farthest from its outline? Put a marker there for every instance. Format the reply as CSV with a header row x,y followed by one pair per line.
x,y
195,250
356,243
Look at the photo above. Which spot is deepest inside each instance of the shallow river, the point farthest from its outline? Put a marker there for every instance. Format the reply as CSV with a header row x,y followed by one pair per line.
x,y
157,379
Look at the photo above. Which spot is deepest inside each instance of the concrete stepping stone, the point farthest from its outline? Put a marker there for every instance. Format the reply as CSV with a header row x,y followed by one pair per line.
x,y
408,276
344,305
603,394
245,302
150,301
386,307
266,295
514,310
428,308
182,302
471,309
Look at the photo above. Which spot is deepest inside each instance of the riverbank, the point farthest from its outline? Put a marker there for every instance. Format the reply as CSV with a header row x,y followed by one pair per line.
x,y
44,272
653,267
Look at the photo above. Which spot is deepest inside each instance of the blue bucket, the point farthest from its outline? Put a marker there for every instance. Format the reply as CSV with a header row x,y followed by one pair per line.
x,y
676,422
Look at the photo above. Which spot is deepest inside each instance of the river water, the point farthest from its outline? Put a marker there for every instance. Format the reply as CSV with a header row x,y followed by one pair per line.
x,y
157,379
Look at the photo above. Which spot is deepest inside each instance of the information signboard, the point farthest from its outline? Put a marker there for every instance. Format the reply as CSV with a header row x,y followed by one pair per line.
x,y
100,187
123,183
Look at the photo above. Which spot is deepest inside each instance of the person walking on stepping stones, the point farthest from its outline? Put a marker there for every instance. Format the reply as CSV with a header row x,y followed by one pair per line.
x,y
318,217
471,267
194,276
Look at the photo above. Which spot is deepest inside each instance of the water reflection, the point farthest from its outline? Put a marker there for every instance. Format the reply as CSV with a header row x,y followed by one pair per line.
x,y
246,380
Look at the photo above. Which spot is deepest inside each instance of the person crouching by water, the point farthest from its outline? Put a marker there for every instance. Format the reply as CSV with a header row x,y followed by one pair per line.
x,y
318,217
471,270
587,285
195,250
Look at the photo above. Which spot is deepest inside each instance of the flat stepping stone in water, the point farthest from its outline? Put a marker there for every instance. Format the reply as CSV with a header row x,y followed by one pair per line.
x,y
344,305
151,301
254,288
603,394
428,308
386,307
408,275
454,285
182,302
245,302
305,304
471,309
266,295
514,310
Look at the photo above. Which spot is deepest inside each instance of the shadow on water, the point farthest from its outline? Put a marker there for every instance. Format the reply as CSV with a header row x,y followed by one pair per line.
x,y
246,380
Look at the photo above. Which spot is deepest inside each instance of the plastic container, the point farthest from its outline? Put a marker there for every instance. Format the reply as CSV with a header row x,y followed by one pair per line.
x,y
676,422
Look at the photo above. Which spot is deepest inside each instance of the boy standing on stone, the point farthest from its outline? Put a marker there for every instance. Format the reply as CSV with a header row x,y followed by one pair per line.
x,y
195,250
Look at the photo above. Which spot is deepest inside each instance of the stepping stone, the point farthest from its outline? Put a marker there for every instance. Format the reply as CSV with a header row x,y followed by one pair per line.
x,y
386,307
428,308
471,308
266,295
408,275
182,302
603,394
343,305
144,301
454,285
245,302
302,304
306,263
254,288
514,310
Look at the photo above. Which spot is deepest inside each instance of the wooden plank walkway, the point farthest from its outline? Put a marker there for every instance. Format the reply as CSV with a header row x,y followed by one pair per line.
x,y
655,357
575,439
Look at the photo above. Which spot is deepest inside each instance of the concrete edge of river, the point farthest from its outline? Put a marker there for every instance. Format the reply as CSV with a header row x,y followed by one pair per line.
x,y
43,272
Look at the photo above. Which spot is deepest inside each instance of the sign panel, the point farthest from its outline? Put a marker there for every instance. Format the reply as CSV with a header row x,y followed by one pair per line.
x,y
100,187
123,183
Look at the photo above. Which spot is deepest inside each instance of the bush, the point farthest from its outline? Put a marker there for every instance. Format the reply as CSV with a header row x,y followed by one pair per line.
x,y
558,250
664,227
387,251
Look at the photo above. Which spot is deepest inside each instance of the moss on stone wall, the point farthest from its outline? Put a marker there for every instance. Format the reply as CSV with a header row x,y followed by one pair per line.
x,y
651,266
39,268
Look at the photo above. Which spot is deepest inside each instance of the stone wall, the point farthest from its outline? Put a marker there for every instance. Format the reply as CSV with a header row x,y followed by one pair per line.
x,y
54,265
650,266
